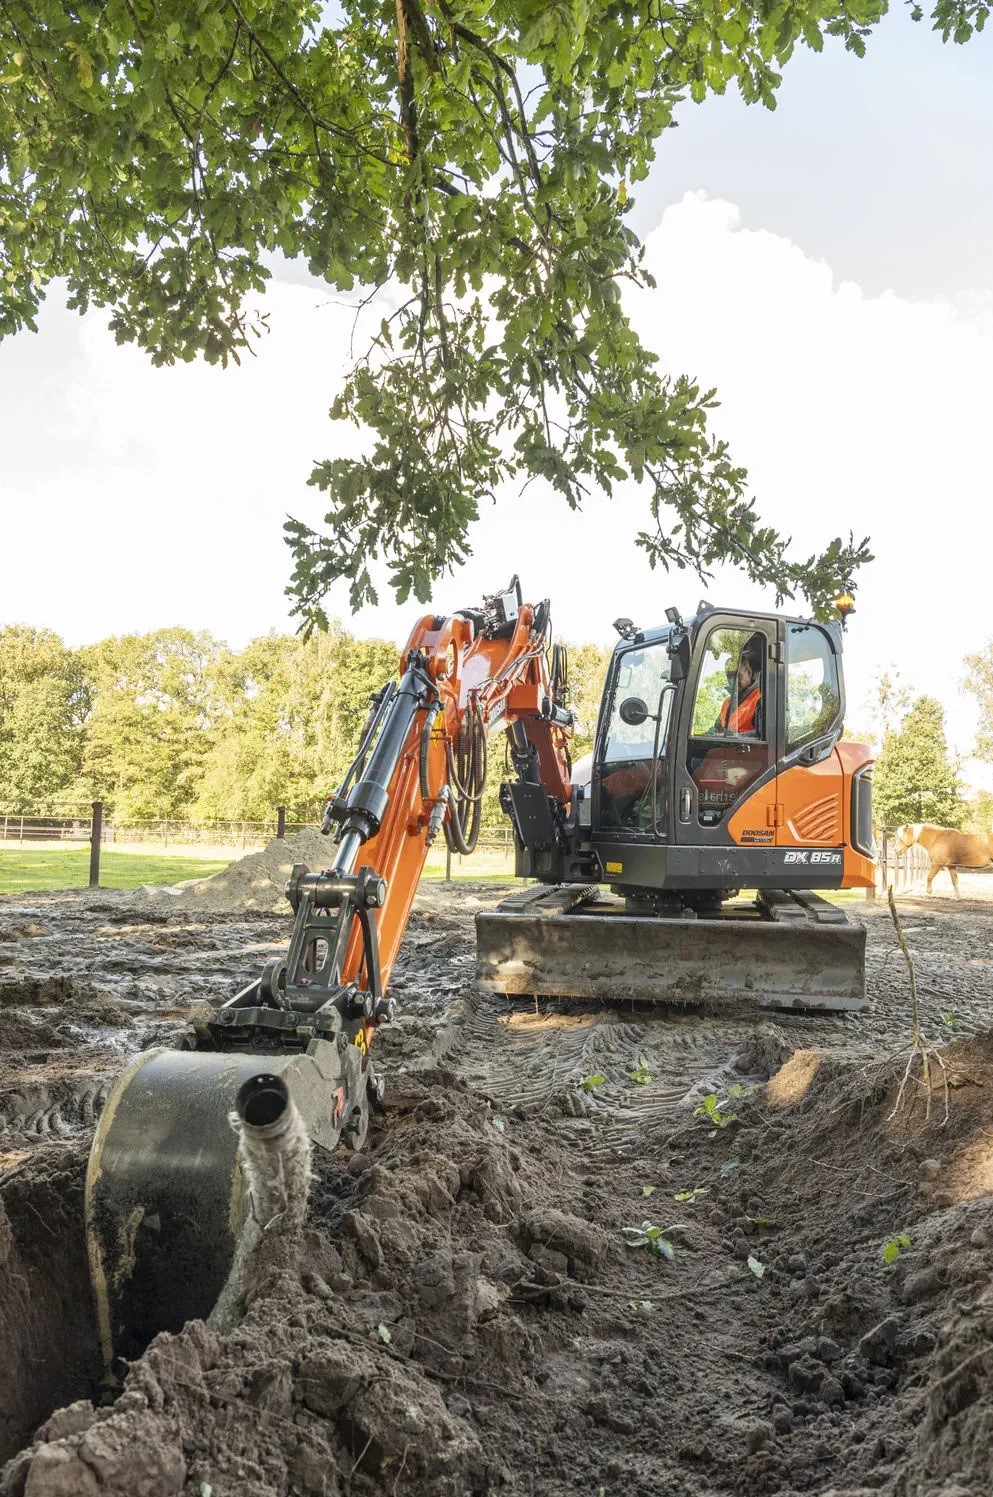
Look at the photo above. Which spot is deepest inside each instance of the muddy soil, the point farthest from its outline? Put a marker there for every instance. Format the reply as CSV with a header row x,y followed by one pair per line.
x,y
523,1284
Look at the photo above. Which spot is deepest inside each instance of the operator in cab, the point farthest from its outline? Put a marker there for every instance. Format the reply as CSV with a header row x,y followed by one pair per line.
x,y
739,714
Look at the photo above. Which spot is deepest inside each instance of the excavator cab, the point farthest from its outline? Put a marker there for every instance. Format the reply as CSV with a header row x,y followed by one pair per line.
x,y
737,764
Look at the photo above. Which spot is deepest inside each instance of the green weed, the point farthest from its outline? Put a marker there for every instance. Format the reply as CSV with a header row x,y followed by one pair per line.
x,y
895,1246
653,1239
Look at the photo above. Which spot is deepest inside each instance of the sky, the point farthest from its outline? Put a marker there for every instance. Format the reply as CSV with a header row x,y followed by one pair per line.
x,y
828,267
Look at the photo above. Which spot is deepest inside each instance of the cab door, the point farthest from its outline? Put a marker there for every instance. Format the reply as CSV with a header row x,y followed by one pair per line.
x,y
630,776
731,733
811,781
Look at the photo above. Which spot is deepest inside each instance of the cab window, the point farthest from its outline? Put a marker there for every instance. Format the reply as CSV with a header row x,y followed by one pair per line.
x,y
728,747
729,695
813,692
628,800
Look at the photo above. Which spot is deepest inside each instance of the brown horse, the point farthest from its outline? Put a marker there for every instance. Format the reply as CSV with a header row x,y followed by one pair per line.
x,y
946,848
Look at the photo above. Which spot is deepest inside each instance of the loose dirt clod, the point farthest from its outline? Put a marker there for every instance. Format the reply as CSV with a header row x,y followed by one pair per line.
x,y
465,1318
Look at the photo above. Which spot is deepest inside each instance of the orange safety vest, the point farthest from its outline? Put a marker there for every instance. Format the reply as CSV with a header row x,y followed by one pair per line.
x,y
742,719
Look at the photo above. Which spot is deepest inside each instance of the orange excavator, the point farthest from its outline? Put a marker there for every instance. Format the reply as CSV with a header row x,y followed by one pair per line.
x,y
690,795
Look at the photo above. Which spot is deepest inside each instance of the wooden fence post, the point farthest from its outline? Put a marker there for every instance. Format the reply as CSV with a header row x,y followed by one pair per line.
x,y
280,821
96,834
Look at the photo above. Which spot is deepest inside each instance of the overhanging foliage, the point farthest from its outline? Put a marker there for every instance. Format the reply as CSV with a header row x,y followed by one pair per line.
x,y
475,156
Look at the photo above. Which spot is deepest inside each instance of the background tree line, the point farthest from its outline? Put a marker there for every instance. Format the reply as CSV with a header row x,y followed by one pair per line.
x,y
175,724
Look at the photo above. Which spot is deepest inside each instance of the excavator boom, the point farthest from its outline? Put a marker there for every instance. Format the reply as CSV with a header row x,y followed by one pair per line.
x,y
171,1187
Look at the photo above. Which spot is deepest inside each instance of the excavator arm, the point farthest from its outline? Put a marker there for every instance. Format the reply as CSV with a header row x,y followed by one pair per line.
x,y
170,1185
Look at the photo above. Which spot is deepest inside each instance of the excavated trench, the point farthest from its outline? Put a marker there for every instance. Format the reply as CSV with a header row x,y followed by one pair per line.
x,y
478,1305
48,1338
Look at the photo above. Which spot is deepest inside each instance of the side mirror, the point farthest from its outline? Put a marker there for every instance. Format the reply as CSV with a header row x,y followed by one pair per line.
x,y
679,655
633,711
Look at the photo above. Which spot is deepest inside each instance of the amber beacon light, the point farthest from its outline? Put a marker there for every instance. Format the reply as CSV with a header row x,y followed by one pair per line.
x,y
845,604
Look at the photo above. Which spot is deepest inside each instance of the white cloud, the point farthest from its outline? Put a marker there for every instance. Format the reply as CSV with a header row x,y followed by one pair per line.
x,y
134,497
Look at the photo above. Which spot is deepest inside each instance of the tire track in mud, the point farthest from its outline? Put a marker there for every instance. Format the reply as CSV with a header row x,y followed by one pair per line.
x,y
87,981
55,1117
535,1056
535,1060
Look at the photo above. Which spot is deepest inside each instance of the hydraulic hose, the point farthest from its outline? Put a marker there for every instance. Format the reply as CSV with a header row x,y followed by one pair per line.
x,y
467,781
425,745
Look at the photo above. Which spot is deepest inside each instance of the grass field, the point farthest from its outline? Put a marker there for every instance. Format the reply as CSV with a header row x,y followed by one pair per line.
x,y
23,870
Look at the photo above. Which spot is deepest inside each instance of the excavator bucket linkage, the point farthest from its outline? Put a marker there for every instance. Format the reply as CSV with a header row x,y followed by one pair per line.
x,y
778,951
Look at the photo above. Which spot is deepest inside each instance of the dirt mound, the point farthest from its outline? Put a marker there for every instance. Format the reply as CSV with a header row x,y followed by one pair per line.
x,y
255,882
871,1216
468,1312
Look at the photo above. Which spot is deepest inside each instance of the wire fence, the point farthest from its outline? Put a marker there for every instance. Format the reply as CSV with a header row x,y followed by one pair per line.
x,y
80,826
162,831
165,831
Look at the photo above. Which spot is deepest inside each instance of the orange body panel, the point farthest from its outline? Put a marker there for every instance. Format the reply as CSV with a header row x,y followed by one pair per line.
x,y
809,806
507,680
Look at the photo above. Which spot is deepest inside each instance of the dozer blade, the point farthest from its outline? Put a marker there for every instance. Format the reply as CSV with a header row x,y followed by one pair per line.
x,y
797,956
165,1196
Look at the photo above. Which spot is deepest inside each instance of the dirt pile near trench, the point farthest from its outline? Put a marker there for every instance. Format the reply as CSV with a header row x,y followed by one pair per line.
x,y
255,882
468,1317
874,1214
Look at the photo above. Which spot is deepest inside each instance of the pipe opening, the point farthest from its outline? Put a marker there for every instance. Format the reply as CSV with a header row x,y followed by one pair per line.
x,y
262,1100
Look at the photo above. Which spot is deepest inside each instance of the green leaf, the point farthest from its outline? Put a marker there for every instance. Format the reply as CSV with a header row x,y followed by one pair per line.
x,y
385,1334
757,1268
710,1109
895,1246
591,1082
